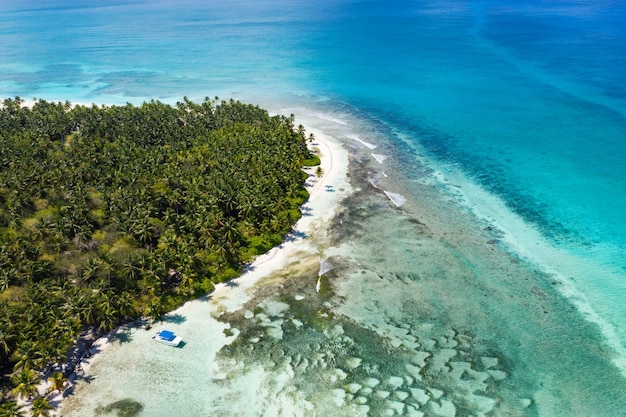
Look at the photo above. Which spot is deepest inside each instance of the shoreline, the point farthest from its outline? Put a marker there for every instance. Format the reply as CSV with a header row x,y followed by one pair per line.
x,y
210,327
309,235
325,195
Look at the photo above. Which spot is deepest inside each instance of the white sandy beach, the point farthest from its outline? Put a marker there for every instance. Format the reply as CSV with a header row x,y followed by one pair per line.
x,y
205,335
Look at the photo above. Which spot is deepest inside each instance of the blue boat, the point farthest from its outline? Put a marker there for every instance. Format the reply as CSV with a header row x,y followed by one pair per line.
x,y
168,337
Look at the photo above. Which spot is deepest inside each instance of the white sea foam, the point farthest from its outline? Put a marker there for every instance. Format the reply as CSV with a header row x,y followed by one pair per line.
x,y
380,158
325,266
569,269
330,118
374,183
361,141
397,199
356,157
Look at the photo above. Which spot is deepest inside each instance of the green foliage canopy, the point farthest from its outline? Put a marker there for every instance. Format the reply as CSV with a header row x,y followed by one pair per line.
x,y
112,212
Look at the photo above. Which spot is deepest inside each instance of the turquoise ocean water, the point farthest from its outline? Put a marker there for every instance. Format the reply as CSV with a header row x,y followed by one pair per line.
x,y
502,121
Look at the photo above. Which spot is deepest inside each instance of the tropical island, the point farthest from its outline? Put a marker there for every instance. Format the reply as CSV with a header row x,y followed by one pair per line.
x,y
111,213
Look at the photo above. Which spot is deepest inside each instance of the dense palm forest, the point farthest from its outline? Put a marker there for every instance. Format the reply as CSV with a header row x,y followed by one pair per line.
x,y
108,213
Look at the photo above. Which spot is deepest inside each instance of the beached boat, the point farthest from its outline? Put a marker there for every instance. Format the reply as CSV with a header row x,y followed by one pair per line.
x,y
167,337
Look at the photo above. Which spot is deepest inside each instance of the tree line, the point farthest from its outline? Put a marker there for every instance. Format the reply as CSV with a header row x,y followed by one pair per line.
x,y
108,213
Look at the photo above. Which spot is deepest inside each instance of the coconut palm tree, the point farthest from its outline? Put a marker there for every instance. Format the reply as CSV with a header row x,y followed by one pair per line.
x,y
156,308
125,306
41,407
5,338
143,231
25,383
90,270
107,265
12,409
131,270
5,279
28,354
58,381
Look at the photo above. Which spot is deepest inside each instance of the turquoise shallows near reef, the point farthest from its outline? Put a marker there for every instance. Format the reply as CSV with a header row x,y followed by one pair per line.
x,y
479,269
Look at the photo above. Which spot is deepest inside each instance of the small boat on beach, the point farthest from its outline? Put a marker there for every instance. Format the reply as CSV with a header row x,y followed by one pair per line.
x,y
168,338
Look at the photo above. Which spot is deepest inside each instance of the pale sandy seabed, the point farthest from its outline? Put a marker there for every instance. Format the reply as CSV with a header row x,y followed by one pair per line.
x,y
422,311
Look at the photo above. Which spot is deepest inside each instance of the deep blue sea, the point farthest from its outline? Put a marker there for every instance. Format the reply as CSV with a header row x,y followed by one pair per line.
x,y
519,107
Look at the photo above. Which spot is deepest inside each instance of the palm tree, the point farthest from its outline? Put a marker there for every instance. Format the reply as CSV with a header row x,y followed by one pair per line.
x,y
169,216
143,231
168,240
58,381
222,249
12,409
107,265
4,342
5,280
230,232
90,270
187,283
107,321
125,306
25,383
105,302
41,407
156,308
131,270
28,354
84,308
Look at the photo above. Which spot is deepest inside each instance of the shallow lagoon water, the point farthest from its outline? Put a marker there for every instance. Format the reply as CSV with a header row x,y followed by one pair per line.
x,y
502,191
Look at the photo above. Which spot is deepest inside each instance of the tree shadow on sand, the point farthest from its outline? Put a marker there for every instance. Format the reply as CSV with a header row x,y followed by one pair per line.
x,y
69,391
295,235
122,336
232,284
174,318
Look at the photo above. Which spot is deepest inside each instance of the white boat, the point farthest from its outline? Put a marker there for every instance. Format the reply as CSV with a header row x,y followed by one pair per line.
x,y
168,337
